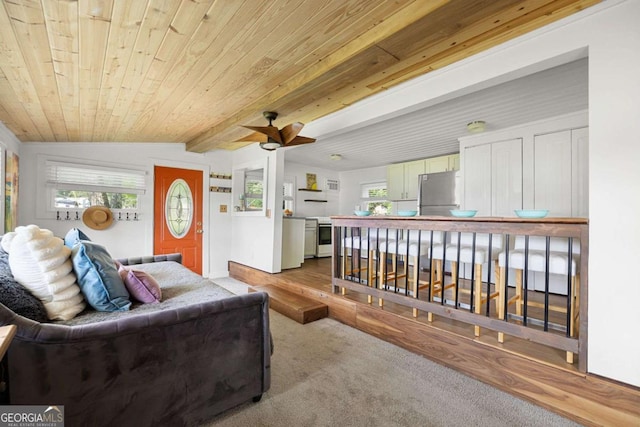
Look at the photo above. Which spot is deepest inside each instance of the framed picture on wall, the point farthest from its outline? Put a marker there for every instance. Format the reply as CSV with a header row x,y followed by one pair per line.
x,y
11,192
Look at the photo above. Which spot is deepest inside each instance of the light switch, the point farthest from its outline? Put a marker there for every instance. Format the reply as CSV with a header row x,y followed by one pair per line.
x,y
223,208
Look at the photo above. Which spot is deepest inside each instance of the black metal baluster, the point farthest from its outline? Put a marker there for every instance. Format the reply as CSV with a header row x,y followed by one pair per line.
x,y
546,285
395,276
444,264
569,293
431,273
351,278
457,285
505,297
359,253
525,279
406,264
473,274
489,270
417,279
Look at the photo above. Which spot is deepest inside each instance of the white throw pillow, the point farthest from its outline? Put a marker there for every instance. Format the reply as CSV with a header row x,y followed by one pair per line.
x,y
41,263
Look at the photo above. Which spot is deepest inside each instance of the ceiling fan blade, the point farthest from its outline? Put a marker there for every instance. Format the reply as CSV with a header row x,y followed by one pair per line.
x,y
289,132
254,137
299,140
270,131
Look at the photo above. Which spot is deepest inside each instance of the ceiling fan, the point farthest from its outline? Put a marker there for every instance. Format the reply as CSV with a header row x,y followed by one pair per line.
x,y
271,138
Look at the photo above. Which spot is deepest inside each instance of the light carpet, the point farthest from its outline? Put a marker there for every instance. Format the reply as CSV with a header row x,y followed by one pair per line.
x,y
326,373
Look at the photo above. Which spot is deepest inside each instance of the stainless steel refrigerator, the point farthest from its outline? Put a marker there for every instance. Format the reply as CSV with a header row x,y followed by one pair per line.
x,y
438,193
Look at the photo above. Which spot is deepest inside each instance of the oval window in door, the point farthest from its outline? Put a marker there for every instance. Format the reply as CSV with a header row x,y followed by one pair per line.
x,y
179,208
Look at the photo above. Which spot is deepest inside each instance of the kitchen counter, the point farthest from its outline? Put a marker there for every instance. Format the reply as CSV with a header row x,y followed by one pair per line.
x,y
547,220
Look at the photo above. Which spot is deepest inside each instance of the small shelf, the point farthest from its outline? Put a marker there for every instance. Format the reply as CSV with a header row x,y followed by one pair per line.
x,y
216,189
217,175
315,200
309,189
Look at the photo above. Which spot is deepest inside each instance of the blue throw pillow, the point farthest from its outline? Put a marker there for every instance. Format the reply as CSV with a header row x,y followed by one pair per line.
x,y
98,277
74,236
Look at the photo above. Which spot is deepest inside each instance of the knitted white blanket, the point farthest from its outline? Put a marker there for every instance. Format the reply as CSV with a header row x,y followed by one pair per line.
x,y
41,263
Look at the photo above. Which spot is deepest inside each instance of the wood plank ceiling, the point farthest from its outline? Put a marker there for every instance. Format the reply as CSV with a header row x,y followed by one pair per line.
x,y
192,71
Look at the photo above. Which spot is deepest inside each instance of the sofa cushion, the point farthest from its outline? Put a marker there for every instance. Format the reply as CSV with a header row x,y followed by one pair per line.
x,y
16,297
141,286
40,262
98,277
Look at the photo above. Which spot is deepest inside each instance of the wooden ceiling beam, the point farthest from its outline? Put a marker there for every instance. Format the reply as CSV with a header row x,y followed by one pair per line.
x,y
411,13
478,36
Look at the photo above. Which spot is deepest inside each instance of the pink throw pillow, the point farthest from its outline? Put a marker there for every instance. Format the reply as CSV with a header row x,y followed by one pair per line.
x,y
142,286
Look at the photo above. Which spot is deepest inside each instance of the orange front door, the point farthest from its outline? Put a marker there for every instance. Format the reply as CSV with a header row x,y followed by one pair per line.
x,y
178,214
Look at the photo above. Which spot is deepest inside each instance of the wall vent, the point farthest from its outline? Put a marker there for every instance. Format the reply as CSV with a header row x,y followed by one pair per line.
x,y
333,185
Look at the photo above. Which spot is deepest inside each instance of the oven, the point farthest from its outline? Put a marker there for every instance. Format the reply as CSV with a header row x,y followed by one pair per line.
x,y
325,248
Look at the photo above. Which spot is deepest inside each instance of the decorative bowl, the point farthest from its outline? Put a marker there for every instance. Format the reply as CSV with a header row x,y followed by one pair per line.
x,y
407,213
460,213
362,213
531,213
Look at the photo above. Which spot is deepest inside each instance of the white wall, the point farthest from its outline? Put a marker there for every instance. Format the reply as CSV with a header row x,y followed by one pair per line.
x,y
609,32
350,190
257,239
128,238
306,209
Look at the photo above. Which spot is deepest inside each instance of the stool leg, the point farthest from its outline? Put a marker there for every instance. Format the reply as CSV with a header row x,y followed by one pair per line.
x,y
500,305
478,295
519,300
383,268
575,294
454,275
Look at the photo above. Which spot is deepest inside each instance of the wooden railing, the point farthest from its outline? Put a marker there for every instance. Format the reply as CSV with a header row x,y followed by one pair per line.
x,y
522,278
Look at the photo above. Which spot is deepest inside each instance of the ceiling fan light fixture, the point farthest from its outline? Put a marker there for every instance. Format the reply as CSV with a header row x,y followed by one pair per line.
x,y
270,145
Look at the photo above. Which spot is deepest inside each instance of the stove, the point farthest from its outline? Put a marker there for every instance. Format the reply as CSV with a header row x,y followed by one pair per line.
x,y
324,248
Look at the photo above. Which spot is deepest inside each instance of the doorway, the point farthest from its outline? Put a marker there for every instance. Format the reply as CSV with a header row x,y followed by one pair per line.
x,y
178,202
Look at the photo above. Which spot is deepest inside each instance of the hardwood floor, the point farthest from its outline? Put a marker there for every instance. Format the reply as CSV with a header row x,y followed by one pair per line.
x,y
533,372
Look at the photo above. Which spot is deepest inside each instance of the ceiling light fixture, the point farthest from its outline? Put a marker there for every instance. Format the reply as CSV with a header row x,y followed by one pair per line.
x,y
335,157
270,145
476,126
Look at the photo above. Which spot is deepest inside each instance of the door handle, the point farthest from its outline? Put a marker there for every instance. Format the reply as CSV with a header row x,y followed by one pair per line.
x,y
199,231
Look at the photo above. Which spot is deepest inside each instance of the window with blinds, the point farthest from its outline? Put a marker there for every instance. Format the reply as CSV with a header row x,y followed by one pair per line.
x,y
80,186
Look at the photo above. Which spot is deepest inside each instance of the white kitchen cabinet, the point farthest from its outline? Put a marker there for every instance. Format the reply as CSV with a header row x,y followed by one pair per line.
x,y
560,172
477,179
442,163
552,173
402,180
493,178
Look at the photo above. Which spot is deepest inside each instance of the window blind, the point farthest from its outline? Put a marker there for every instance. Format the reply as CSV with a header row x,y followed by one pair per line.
x,y
73,176
374,191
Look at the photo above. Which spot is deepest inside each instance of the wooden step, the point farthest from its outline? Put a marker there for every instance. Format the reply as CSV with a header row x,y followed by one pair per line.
x,y
301,309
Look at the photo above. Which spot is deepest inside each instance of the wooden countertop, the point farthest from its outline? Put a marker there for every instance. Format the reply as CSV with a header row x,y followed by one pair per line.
x,y
547,220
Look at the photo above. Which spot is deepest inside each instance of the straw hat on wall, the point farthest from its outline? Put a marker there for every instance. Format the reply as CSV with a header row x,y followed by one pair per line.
x,y
97,217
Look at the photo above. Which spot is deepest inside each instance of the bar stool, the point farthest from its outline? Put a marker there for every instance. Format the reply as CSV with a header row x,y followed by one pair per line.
x,y
410,250
367,244
536,260
463,249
